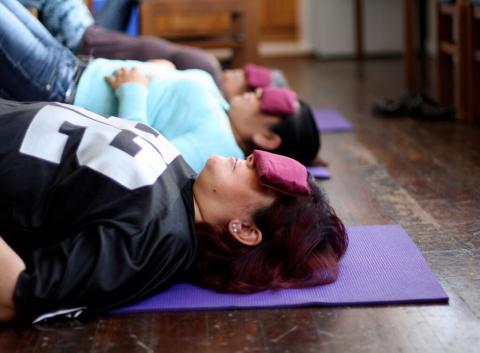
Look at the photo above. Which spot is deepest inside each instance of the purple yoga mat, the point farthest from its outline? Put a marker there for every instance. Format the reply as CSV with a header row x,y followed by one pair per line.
x,y
330,120
319,172
382,266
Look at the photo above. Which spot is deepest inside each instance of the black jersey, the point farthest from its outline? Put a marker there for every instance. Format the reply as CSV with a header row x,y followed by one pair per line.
x,y
100,209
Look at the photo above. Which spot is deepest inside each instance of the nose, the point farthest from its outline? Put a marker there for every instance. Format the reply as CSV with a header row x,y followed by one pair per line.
x,y
250,161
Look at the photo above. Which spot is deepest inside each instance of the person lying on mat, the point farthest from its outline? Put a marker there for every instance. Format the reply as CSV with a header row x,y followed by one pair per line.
x,y
98,212
185,106
72,24
188,109
250,78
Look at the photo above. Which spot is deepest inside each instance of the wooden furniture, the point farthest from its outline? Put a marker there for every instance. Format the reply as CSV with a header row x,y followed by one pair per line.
x,y
451,46
234,25
473,62
409,43
358,14
278,20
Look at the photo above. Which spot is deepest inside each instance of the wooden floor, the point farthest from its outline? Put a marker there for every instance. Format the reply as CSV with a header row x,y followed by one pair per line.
x,y
424,176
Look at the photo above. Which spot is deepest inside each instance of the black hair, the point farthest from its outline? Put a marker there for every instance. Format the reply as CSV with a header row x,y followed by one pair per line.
x,y
299,134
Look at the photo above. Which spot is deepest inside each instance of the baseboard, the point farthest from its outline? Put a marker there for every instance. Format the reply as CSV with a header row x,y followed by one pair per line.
x,y
273,49
352,56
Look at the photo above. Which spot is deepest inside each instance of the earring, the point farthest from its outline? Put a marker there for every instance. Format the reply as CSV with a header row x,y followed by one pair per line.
x,y
234,228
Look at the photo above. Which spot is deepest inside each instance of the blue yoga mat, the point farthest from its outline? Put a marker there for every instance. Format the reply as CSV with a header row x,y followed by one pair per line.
x,y
330,120
382,266
319,172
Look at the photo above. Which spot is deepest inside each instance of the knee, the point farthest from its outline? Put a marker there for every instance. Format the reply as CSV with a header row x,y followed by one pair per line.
x,y
193,58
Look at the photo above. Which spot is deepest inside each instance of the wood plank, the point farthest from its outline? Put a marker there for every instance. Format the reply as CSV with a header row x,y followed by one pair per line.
x,y
178,26
231,24
188,6
461,71
409,44
473,60
213,43
359,30
278,20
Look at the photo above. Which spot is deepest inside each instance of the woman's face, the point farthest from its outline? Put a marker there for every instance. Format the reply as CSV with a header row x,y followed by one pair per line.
x,y
247,119
229,188
234,82
247,103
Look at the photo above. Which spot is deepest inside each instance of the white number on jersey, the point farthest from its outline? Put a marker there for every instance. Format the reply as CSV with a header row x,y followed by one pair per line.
x,y
132,154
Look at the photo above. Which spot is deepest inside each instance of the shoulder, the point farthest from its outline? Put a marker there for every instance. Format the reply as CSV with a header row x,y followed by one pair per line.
x,y
175,224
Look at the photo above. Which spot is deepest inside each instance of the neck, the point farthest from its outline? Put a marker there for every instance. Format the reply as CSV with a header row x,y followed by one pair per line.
x,y
236,134
198,213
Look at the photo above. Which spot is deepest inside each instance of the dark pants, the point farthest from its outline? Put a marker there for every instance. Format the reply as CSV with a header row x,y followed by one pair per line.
x,y
102,43
115,14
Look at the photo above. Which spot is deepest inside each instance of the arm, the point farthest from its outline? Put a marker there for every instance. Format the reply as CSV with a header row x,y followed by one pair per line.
x,y
12,265
97,269
131,89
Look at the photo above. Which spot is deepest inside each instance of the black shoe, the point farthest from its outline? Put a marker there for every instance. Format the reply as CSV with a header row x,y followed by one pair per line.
x,y
414,105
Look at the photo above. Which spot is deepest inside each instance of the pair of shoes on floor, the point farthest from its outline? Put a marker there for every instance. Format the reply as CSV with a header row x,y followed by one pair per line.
x,y
414,105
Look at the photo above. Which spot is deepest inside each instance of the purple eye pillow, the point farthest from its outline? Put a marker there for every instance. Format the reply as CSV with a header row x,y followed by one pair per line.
x,y
278,101
257,76
281,173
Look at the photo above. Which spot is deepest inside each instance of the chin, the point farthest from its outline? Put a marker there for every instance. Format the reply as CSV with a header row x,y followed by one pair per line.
x,y
236,99
210,169
213,170
215,162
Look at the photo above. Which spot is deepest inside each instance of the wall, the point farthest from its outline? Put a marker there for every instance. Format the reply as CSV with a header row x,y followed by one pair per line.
x,y
326,28
332,27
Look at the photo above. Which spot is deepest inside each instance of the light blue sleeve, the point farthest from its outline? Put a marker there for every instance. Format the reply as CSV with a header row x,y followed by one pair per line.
x,y
132,102
187,145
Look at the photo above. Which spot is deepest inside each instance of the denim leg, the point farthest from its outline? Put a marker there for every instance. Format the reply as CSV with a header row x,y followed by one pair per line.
x,y
34,26
31,68
37,4
66,20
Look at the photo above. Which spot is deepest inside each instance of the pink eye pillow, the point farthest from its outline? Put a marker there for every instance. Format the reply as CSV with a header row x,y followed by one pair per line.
x,y
281,173
257,76
278,101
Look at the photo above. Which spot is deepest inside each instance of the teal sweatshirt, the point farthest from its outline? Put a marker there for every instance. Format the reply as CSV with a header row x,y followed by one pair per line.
x,y
184,106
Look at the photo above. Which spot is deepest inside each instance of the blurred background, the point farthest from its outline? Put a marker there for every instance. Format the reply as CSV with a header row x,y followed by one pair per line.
x,y
436,39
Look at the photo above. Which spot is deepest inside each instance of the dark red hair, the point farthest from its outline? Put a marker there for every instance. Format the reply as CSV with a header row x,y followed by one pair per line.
x,y
303,240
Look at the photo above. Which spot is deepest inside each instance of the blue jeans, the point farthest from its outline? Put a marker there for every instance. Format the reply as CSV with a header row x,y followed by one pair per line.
x,y
33,65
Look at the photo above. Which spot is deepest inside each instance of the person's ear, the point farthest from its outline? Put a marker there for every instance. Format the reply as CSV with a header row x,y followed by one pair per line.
x,y
267,140
245,233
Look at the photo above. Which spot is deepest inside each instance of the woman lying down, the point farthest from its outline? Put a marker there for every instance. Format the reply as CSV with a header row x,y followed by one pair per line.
x,y
96,213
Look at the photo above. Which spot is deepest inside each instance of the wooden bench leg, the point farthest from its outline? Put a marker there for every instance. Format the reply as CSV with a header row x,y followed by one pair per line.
x,y
247,25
